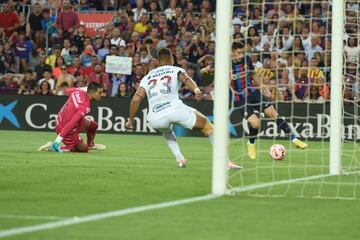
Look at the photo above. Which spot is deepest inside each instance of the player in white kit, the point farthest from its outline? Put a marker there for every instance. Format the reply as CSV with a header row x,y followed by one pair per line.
x,y
161,87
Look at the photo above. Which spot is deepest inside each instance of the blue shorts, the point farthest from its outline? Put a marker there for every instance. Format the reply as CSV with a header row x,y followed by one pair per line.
x,y
254,103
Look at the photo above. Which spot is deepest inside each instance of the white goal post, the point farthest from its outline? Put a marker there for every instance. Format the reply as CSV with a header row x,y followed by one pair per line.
x,y
336,86
224,14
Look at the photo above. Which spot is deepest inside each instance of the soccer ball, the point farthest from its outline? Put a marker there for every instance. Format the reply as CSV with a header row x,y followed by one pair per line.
x,y
277,152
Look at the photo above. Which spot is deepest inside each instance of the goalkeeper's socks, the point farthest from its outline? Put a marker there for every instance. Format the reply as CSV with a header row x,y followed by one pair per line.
x,y
91,132
253,132
173,145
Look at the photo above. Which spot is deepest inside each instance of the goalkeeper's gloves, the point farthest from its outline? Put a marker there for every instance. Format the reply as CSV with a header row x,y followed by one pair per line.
x,y
55,147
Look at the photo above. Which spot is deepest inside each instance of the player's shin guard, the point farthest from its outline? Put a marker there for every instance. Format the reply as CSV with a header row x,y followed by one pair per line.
x,y
253,132
173,145
91,132
283,125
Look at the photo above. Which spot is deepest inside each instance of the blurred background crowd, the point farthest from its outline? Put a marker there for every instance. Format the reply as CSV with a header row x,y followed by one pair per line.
x,y
45,48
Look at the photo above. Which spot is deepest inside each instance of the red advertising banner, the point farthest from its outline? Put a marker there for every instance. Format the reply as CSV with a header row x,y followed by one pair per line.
x,y
95,22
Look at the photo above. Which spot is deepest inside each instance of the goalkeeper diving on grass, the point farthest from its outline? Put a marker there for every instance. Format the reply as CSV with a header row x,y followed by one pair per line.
x,y
71,120
252,98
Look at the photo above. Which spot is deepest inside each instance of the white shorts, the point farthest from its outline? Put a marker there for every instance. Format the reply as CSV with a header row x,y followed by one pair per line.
x,y
184,116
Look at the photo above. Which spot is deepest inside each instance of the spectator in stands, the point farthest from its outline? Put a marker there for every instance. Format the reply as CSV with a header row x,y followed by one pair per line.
x,y
64,77
67,20
323,88
100,77
23,27
104,50
22,50
302,85
47,78
34,21
116,39
123,91
79,38
45,89
306,38
314,71
65,52
8,58
51,60
87,55
139,10
42,66
91,68
9,20
310,51
56,71
135,77
352,49
116,80
195,49
47,25
28,84
76,69
142,26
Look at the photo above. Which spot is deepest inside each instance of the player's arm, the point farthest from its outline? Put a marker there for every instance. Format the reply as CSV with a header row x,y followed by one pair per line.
x,y
134,106
65,131
189,82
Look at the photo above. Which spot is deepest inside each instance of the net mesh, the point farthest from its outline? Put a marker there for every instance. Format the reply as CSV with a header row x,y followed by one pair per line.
x,y
290,47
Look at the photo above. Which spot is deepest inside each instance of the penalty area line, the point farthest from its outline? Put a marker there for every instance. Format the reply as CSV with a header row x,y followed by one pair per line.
x,y
101,216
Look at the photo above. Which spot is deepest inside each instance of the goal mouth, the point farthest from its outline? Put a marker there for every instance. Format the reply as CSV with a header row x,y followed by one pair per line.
x,y
299,79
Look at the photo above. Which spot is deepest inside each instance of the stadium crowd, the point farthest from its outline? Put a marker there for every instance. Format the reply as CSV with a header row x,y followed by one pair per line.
x,y
44,49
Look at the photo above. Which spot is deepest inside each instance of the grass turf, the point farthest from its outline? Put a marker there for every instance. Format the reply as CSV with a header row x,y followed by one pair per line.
x,y
140,170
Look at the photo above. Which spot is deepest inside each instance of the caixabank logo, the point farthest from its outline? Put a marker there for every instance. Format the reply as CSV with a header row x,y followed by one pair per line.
x,y
6,112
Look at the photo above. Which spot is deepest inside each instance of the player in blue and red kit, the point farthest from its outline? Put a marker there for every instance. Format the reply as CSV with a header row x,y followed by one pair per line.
x,y
248,98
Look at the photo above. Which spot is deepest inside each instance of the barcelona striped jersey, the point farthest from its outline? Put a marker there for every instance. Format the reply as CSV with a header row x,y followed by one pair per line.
x,y
241,79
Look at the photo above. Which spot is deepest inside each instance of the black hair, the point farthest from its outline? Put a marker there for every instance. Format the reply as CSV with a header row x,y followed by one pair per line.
x,y
93,87
163,53
237,45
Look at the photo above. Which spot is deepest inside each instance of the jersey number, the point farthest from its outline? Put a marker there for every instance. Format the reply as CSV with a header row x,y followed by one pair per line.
x,y
165,87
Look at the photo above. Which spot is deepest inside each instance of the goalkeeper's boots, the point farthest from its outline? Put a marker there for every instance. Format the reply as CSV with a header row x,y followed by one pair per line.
x,y
55,147
299,144
233,166
45,147
251,151
181,163
98,147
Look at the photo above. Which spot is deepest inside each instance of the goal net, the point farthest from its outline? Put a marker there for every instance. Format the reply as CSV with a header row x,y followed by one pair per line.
x,y
289,43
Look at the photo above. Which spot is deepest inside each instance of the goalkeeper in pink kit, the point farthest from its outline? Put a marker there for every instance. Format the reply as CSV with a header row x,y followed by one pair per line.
x,y
71,121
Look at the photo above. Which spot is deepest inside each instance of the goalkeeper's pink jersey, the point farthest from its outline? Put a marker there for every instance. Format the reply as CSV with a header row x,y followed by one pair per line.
x,y
76,107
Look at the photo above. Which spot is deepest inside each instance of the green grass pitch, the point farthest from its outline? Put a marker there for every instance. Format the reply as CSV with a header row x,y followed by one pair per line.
x,y
140,170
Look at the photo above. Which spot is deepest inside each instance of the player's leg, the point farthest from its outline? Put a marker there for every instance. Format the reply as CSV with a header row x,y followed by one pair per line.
x,y
90,127
270,112
253,125
203,124
172,143
164,125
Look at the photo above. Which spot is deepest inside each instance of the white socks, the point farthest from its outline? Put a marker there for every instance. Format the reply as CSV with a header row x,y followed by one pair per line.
x,y
173,145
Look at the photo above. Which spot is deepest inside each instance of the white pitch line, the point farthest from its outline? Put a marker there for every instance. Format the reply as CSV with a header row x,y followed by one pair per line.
x,y
122,212
100,216
31,217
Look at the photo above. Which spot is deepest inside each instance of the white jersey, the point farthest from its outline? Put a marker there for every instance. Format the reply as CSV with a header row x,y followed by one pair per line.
x,y
162,89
